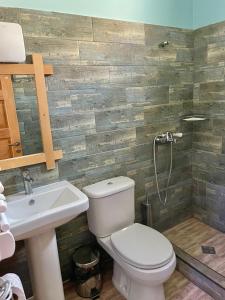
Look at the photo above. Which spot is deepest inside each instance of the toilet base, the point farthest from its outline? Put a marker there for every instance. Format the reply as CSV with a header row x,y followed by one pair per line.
x,y
133,290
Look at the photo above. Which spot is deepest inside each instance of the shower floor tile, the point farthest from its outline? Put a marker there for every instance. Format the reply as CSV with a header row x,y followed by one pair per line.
x,y
177,288
192,236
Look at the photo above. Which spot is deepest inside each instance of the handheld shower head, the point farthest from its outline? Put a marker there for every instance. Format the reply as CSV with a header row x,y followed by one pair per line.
x,y
178,134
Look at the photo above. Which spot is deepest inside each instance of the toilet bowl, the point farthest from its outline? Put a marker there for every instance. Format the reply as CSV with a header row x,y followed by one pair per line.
x,y
136,281
143,258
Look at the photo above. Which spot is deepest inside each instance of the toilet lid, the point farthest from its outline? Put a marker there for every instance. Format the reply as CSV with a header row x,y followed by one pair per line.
x,y
142,246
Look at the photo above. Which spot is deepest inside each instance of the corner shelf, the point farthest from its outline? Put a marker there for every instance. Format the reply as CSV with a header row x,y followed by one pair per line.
x,y
194,118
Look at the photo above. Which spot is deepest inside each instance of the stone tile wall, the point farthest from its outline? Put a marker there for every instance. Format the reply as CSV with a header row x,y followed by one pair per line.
x,y
208,136
112,91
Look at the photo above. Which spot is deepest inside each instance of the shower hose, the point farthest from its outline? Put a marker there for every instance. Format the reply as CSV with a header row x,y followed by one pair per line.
x,y
162,200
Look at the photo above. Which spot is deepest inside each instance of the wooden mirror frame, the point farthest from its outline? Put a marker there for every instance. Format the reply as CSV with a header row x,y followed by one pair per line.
x,y
48,156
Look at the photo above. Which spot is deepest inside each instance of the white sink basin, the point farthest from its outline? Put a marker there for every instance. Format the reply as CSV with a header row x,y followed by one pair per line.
x,y
33,218
47,207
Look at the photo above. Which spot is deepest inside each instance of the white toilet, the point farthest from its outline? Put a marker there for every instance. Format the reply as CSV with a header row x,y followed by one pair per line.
x,y
143,258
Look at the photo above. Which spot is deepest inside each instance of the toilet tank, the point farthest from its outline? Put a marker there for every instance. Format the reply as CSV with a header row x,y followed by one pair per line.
x,y
111,205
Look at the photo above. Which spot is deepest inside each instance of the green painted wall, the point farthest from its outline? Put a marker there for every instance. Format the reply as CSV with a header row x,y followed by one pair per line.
x,y
207,12
177,13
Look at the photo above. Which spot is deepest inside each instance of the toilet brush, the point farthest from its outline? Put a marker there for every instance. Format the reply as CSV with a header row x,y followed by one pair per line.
x,y
147,211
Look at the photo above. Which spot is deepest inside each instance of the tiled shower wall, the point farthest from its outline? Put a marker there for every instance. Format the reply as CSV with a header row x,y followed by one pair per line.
x,y
209,136
112,91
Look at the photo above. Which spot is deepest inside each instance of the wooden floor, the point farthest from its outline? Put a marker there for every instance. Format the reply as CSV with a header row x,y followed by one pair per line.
x,y
191,234
177,288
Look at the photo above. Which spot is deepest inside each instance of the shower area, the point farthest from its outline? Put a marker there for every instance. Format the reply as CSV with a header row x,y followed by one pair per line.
x,y
199,238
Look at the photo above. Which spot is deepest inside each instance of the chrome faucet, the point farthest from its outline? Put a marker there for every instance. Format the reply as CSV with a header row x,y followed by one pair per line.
x,y
168,137
27,180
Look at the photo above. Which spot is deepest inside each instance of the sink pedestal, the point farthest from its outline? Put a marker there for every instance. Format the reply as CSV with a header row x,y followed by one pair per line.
x,y
33,218
44,266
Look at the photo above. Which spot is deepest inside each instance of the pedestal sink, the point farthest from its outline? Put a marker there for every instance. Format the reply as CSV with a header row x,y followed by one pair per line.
x,y
33,218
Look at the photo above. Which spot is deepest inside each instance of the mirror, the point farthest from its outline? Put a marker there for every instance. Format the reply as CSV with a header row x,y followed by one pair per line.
x,y
27,113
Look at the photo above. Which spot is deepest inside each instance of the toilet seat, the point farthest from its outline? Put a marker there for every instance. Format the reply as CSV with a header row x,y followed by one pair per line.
x,y
142,246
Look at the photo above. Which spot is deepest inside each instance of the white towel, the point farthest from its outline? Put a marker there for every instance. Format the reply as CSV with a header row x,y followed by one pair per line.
x,y
6,291
7,245
1,188
2,197
11,39
17,287
4,223
3,205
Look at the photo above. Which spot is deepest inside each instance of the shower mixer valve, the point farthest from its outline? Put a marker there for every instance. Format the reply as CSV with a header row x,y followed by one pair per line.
x,y
168,137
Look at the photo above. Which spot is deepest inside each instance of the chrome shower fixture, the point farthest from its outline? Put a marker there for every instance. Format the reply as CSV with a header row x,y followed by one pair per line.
x,y
163,44
168,137
162,139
